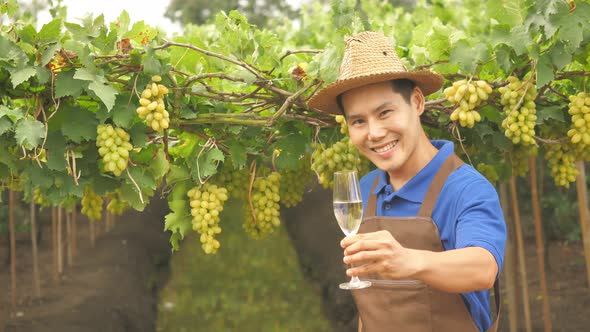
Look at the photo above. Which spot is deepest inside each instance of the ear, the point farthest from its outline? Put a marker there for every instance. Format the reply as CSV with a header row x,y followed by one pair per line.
x,y
418,100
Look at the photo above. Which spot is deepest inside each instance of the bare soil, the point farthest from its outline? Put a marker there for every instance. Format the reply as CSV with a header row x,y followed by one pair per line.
x,y
110,287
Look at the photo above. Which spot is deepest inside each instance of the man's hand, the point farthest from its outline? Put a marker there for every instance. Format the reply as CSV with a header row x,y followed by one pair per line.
x,y
455,271
380,253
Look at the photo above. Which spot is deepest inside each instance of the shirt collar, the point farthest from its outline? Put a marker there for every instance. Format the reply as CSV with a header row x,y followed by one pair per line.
x,y
415,189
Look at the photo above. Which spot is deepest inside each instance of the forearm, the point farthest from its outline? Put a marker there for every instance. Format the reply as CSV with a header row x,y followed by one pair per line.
x,y
457,271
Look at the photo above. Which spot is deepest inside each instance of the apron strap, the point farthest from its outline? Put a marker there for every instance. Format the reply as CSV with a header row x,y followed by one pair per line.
x,y
498,299
449,166
372,203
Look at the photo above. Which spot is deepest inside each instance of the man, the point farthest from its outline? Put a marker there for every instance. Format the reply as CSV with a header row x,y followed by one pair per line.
x,y
433,234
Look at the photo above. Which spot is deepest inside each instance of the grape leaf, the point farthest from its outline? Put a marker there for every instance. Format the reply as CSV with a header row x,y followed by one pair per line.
x,y
178,221
81,124
123,112
506,11
14,114
43,74
548,113
5,125
159,165
206,164
29,133
48,52
545,71
291,148
22,75
238,154
85,75
105,92
67,85
177,174
51,31
56,150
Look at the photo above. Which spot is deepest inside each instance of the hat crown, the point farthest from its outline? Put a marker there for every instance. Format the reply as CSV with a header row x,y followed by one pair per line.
x,y
369,53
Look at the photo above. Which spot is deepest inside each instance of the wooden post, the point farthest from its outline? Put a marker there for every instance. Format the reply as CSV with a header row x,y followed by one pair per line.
x,y
54,240
92,234
74,231
60,261
510,280
521,256
34,249
582,190
539,242
69,237
12,249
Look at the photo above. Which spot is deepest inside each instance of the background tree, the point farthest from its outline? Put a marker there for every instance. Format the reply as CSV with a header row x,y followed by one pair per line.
x,y
257,11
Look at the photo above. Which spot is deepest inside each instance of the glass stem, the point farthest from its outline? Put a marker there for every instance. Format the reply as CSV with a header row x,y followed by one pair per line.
x,y
354,280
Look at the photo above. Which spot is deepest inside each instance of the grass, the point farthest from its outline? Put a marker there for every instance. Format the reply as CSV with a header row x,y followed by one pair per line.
x,y
249,285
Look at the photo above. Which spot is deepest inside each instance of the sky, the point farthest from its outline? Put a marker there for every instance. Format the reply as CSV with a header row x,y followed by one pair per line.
x,y
150,11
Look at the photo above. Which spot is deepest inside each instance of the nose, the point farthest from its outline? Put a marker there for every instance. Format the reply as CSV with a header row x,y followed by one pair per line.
x,y
376,131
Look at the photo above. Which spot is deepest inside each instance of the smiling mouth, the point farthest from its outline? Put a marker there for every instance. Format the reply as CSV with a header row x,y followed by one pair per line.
x,y
385,148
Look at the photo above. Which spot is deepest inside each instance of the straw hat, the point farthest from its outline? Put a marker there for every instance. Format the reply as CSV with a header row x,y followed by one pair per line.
x,y
370,58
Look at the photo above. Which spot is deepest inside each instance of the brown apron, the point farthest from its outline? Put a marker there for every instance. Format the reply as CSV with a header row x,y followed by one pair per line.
x,y
411,305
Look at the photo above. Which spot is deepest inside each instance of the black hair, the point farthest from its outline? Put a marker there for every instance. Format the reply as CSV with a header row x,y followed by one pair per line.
x,y
403,86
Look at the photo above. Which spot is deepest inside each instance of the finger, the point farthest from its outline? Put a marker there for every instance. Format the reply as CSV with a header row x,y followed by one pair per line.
x,y
365,256
363,270
366,245
349,240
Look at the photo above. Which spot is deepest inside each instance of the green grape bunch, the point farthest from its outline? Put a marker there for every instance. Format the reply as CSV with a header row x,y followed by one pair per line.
x,y
467,95
562,162
262,209
235,180
579,133
152,108
91,204
343,155
293,182
518,99
114,147
343,125
116,205
488,171
206,203
39,198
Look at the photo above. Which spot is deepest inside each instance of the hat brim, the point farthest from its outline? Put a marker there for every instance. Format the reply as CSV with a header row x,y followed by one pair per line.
x,y
325,99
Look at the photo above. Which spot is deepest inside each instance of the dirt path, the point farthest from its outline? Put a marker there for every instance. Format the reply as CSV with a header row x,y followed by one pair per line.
x,y
111,287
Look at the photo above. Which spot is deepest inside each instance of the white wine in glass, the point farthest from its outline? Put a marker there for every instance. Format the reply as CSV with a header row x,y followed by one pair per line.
x,y
348,209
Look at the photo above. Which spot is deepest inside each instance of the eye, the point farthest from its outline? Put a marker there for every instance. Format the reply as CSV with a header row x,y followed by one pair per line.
x,y
357,122
384,113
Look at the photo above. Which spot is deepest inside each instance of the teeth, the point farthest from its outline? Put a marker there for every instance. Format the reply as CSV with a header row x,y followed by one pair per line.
x,y
385,148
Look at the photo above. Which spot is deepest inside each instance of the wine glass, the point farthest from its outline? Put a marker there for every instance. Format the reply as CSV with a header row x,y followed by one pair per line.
x,y
348,208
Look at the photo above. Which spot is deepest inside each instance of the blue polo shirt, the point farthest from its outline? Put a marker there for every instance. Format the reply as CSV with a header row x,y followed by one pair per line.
x,y
467,213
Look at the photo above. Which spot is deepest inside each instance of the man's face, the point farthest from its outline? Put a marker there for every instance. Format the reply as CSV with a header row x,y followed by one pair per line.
x,y
384,127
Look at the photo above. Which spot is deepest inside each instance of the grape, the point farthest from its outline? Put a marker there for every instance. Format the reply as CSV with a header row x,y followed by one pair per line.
x,y
39,198
91,204
488,171
519,158
467,95
293,182
262,208
206,203
579,109
520,109
236,181
562,161
113,146
343,155
116,205
343,125
152,107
